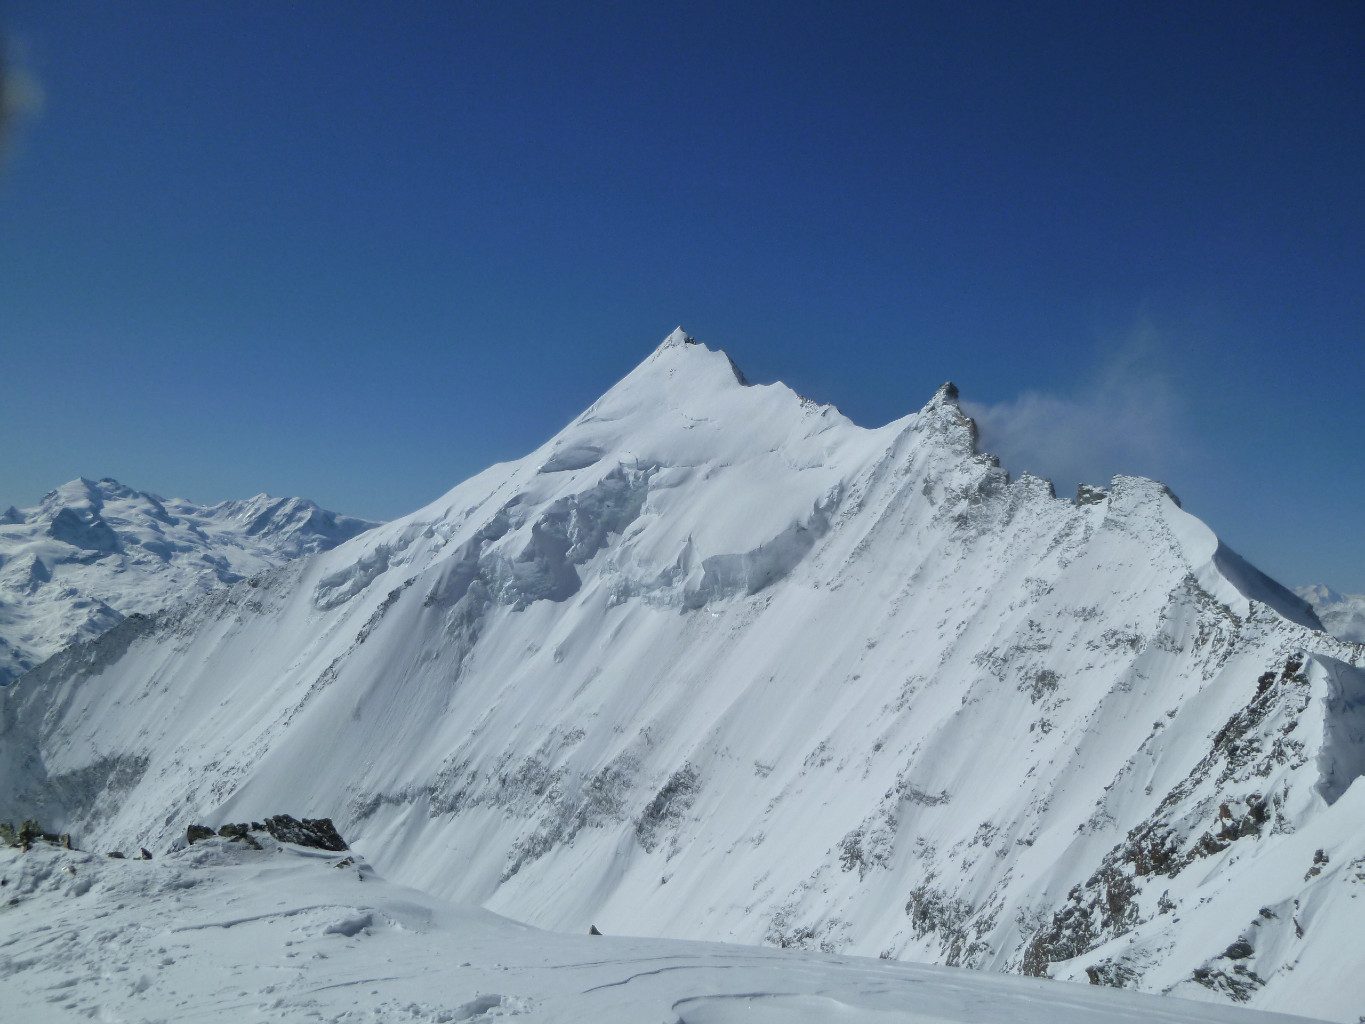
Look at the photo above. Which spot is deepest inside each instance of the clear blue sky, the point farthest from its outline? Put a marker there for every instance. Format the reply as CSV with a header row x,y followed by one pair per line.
x,y
358,251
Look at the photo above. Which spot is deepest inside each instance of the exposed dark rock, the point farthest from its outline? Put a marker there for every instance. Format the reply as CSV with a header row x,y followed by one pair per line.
x,y
665,812
146,854
29,832
1104,905
115,855
1238,985
1319,862
1239,950
958,926
1087,494
1178,834
1112,974
592,930
318,833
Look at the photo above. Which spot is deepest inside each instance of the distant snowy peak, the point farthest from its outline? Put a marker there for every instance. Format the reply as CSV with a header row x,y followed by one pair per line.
x,y
92,551
294,526
1342,615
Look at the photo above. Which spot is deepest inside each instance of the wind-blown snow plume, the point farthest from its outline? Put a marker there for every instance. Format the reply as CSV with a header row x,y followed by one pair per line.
x,y
1124,418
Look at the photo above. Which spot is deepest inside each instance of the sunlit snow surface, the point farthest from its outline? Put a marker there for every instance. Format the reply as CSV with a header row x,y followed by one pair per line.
x,y
219,932
715,663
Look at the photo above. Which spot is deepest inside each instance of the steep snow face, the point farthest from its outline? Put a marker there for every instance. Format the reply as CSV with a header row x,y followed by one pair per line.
x,y
92,552
1342,615
715,662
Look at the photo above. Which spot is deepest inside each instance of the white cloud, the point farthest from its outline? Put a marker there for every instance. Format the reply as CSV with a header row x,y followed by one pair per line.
x,y
1125,418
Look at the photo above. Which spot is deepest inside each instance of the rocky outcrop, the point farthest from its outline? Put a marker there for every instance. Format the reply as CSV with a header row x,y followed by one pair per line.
x,y
30,832
316,833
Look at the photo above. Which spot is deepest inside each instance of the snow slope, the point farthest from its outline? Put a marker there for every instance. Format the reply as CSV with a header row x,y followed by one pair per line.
x,y
217,932
1342,615
716,663
92,552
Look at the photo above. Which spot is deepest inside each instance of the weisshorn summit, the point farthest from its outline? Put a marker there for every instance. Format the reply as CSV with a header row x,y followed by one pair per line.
x,y
714,662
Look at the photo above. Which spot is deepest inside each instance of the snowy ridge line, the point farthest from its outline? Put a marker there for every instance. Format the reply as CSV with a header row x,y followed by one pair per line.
x,y
716,663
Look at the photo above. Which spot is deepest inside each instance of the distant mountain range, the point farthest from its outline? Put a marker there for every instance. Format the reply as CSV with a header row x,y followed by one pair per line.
x,y
1342,615
92,552
716,663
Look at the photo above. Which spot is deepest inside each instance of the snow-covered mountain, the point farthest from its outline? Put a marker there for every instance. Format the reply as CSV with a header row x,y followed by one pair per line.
x,y
92,552
1342,615
716,663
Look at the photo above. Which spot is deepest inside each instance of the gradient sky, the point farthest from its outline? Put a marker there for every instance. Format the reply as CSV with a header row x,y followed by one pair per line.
x,y
358,251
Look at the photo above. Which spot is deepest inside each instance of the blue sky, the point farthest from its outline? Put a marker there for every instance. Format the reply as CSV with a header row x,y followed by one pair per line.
x,y
359,251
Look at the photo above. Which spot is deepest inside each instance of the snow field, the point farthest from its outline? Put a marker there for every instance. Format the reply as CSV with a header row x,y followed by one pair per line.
x,y
221,932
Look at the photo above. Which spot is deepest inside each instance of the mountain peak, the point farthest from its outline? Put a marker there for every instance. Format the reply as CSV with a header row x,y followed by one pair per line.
x,y
677,338
942,415
947,394
697,359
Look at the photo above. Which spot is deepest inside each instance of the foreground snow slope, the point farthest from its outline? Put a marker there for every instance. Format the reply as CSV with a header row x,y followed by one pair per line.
x,y
716,663
92,552
219,932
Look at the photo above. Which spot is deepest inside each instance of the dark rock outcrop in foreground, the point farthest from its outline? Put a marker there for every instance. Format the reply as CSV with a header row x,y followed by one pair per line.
x,y
29,832
318,833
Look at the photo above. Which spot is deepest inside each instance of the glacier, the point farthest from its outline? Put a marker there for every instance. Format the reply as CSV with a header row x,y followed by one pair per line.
x,y
714,663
